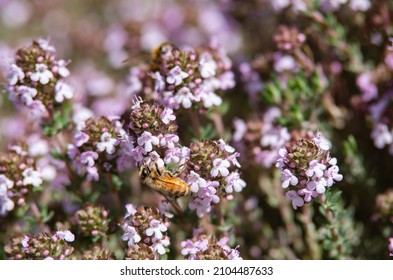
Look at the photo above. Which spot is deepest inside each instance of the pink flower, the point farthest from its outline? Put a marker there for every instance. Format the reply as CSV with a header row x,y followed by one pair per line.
x,y
176,76
130,235
37,109
308,194
16,74
107,143
288,178
169,140
63,91
92,173
131,210
62,69
317,183
381,135
65,235
234,183
147,140
184,97
220,167
167,116
88,158
240,129
159,245
159,84
225,147
80,138
296,200
315,169
42,74
156,228
207,65
195,182
31,177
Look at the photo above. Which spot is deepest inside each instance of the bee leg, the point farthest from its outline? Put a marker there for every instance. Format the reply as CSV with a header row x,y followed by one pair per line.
x,y
173,202
157,169
178,171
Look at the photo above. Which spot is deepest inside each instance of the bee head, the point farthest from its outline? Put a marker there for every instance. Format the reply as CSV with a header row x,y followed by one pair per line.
x,y
144,171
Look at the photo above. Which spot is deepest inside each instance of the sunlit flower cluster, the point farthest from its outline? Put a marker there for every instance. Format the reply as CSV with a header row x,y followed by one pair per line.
x,y
307,169
100,146
36,80
146,226
182,78
18,178
208,248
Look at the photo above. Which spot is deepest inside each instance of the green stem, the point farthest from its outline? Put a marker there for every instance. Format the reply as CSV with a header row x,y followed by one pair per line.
x,y
311,234
333,226
195,123
218,123
113,192
37,215
176,206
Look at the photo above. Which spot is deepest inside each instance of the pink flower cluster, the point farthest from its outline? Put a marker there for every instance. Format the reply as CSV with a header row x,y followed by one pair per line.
x,y
180,78
214,171
18,176
202,247
307,169
36,80
146,225
96,147
156,141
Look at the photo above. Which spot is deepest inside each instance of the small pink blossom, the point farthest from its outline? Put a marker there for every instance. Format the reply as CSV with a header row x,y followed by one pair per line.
x,y
296,200
88,158
167,116
131,210
130,235
63,91
42,74
147,140
195,181
220,167
107,143
176,76
156,228
65,235
16,74
288,178
81,138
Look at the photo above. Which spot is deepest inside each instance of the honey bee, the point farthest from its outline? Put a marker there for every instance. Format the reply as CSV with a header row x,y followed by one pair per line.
x,y
163,180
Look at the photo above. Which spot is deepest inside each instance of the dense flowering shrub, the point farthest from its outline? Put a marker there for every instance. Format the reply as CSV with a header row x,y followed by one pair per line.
x,y
199,130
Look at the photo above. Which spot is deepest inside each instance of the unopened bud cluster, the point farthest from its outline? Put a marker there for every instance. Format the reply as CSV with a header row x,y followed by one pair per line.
x,y
288,39
41,246
97,252
92,221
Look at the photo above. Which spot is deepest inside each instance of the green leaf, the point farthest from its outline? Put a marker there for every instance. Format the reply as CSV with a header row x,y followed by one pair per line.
x,y
224,228
117,181
208,132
